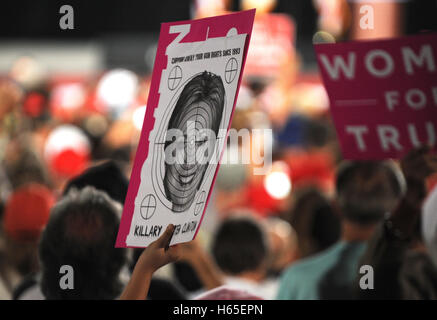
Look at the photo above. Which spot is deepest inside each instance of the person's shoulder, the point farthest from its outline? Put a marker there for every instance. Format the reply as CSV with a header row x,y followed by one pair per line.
x,y
299,281
418,276
312,264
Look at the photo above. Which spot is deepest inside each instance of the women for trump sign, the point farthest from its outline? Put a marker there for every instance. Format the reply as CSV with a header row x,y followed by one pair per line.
x,y
383,94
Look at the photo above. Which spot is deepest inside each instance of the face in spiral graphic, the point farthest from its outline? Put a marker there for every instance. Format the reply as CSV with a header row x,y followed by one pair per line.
x,y
199,107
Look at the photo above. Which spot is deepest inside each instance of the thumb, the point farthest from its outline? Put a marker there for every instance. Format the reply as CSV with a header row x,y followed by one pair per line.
x,y
165,238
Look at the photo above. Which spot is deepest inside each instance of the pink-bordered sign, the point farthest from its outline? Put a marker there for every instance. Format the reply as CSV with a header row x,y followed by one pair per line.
x,y
207,56
383,94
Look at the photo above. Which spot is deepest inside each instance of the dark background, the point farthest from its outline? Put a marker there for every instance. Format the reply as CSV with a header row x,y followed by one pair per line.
x,y
127,29
27,18
93,18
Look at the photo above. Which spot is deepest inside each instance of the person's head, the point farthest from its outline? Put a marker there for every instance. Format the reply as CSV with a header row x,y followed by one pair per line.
x,y
283,245
368,190
240,247
81,233
106,176
23,165
26,214
316,223
197,113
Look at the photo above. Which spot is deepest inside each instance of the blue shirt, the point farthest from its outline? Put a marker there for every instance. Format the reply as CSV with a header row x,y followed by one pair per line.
x,y
327,275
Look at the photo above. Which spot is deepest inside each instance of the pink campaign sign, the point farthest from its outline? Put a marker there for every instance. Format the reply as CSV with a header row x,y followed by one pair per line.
x,y
196,77
383,94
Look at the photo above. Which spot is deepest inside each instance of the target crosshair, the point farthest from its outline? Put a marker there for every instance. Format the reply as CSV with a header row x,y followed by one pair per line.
x,y
174,78
148,206
231,70
199,203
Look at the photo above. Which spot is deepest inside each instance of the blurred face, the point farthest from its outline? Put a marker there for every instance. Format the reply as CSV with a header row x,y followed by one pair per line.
x,y
191,150
191,138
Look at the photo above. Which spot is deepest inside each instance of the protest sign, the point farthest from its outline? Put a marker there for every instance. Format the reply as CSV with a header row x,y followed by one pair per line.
x,y
383,94
195,82
271,45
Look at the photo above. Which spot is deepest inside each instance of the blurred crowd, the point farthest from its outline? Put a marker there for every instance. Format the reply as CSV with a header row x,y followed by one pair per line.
x,y
61,134
302,231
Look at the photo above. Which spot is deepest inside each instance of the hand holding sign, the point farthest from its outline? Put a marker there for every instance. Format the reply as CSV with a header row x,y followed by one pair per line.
x,y
158,253
153,257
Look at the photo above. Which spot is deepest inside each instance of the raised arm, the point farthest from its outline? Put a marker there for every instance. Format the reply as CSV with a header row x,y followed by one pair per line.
x,y
156,255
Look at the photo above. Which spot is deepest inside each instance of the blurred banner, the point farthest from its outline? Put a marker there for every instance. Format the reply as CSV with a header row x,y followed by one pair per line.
x,y
271,46
383,94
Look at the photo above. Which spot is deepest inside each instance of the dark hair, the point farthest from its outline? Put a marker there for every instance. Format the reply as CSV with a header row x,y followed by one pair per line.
x,y
28,167
239,245
107,177
316,224
367,190
81,233
186,276
206,87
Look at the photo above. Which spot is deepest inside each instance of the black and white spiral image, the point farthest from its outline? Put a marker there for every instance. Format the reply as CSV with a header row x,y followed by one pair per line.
x,y
199,106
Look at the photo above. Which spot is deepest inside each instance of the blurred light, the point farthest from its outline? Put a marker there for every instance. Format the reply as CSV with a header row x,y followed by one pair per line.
x,y
262,6
311,97
66,136
245,98
66,99
323,37
331,15
68,96
96,125
277,183
138,117
282,228
27,72
67,150
33,105
209,8
117,90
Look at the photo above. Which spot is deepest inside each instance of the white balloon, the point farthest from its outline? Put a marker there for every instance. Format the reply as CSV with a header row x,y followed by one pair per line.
x,y
117,89
66,137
